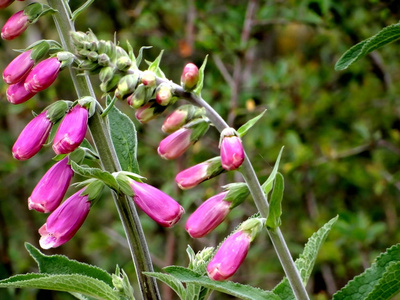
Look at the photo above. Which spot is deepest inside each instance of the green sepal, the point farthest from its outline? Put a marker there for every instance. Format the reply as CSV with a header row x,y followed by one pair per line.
x,y
89,103
66,58
237,193
35,10
199,128
93,188
124,184
275,205
57,110
249,124
252,226
200,82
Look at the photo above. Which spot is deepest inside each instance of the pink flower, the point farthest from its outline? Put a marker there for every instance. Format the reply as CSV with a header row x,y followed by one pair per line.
x,y
71,131
18,68
175,144
174,121
32,138
64,222
50,190
156,204
232,153
195,175
190,76
5,3
208,216
229,256
15,26
42,75
17,93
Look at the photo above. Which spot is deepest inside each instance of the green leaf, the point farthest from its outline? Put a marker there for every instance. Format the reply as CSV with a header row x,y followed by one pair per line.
x,y
246,127
267,185
140,55
275,207
382,38
235,289
74,283
155,66
199,85
80,9
60,264
123,135
305,263
104,176
171,281
389,285
374,278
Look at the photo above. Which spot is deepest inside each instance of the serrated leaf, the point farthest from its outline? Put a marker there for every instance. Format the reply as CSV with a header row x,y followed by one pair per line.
x,y
235,289
80,9
362,285
171,281
246,127
383,37
267,185
200,83
104,176
60,264
305,262
123,135
275,207
389,285
74,283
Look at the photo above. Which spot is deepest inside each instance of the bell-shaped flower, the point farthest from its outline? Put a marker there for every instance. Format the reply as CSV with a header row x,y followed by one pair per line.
x,y
72,130
42,75
231,149
15,26
50,190
208,216
229,256
17,93
32,137
64,222
18,68
156,204
195,175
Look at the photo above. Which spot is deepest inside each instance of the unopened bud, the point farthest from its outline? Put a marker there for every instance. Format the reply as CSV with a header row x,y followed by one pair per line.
x,y
149,111
92,56
126,85
5,3
232,153
15,26
190,76
103,60
17,93
181,116
164,94
123,63
18,68
148,78
138,98
42,75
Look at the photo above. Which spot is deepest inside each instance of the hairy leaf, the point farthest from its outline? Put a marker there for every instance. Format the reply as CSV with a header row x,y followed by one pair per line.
x,y
249,124
267,185
104,176
388,285
171,281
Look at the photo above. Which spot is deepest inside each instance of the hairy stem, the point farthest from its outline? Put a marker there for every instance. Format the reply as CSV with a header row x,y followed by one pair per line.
x,y
104,146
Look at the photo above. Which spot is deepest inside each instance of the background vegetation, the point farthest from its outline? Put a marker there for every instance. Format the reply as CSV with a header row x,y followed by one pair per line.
x,y
340,131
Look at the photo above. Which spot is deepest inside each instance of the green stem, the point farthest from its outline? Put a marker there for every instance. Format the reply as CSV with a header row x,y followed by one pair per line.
x,y
104,146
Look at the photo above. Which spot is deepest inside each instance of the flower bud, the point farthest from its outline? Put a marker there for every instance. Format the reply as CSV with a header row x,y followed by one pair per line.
x,y
17,93
164,94
149,111
229,256
156,204
123,63
32,137
232,153
103,60
15,26
195,175
139,97
208,216
64,222
42,75
126,85
5,3
148,78
18,68
72,130
190,76
50,190
181,116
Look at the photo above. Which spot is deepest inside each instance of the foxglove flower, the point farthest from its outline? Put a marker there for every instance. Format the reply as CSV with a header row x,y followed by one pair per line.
x,y
164,94
174,121
229,256
17,93
64,222
15,26
18,68
149,111
178,142
5,3
50,190
232,153
43,75
32,138
208,216
71,131
193,176
156,204
190,76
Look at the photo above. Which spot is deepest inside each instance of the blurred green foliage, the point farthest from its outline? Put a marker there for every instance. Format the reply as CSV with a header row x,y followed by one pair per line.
x,y
340,131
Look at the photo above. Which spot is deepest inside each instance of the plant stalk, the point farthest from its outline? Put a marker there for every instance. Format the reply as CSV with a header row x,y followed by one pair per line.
x,y
99,131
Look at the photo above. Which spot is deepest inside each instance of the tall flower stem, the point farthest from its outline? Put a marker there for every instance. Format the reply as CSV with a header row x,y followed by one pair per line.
x,y
109,161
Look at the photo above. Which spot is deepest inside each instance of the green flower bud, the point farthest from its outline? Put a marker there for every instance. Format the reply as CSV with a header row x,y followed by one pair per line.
x,y
148,78
138,98
106,74
123,63
126,85
103,60
164,94
78,37
92,56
